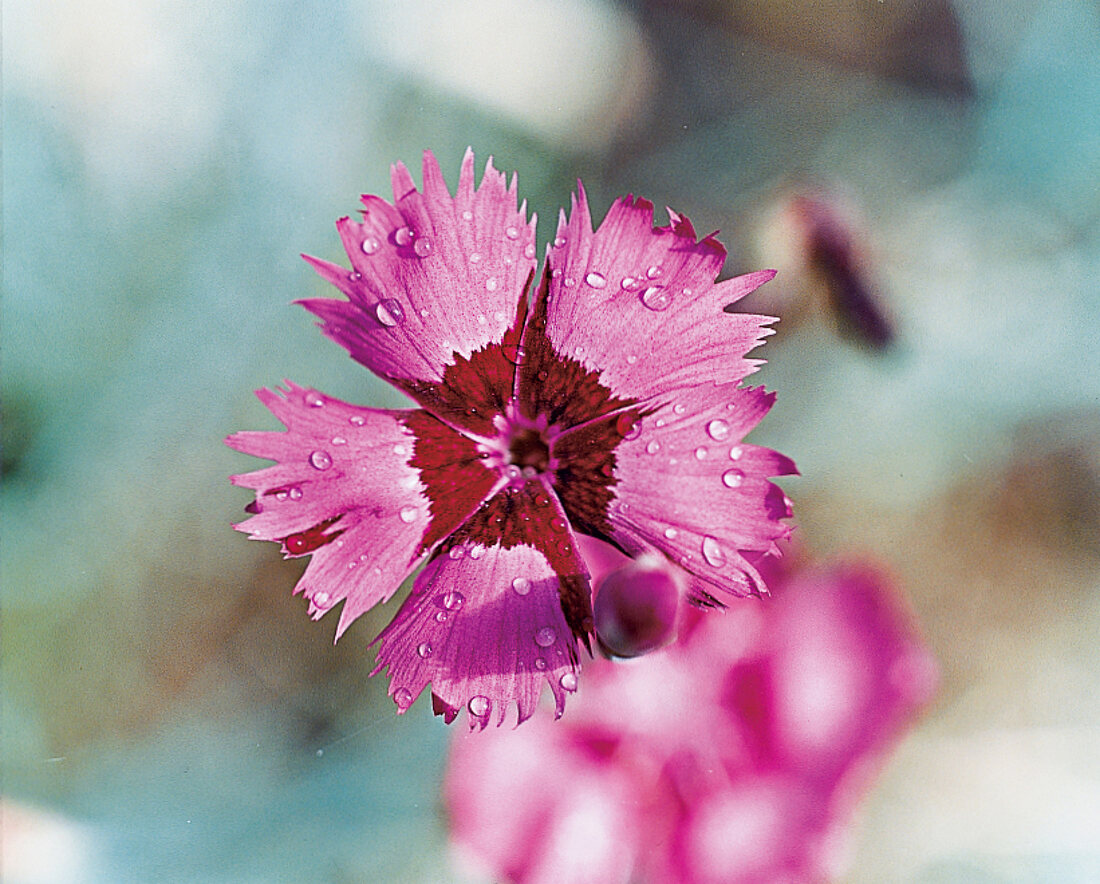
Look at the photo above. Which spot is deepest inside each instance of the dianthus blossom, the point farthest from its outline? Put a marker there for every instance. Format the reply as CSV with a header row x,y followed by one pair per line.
x,y
603,401
736,755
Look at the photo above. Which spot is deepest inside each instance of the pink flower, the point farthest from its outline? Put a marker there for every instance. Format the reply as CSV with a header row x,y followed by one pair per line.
x,y
606,402
735,755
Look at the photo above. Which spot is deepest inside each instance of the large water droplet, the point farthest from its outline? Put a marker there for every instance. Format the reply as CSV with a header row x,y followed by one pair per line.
x,y
422,248
596,280
568,682
453,600
657,298
718,429
671,533
545,637
628,426
653,271
424,650
514,354
370,245
408,514
403,698
479,706
521,585
733,478
321,600
403,236
736,452
389,312
712,552
320,460
558,524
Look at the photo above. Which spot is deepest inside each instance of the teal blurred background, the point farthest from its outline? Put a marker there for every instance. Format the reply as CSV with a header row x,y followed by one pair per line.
x,y
171,714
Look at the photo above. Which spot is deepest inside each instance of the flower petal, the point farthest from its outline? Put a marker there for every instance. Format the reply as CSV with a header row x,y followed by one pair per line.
x,y
689,487
661,324
432,275
343,490
494,614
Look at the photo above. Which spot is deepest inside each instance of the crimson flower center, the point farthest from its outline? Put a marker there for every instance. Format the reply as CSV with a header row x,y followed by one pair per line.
x,y
528,448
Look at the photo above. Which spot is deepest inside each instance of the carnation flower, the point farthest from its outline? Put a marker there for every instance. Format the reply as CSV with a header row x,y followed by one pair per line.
x,y
736,755
605,402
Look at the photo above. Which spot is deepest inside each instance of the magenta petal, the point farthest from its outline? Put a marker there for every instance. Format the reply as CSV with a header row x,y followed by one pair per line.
x,y
432,275
689,487
641,303
343,491
485,626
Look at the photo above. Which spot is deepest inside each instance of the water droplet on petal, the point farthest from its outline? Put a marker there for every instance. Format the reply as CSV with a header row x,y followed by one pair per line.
x,y
529,251
320,460
422,248
545,637
321,600
679,408
521,585
453,600
653,447
653,271
389,312
491,284
733,478
403,236
565,548
628,426
671,533
656,298
558,524
559,241
314,399
701,453
514,354
357,420
511,233
467,215
479,706
476,552
441,617
456,553
631,359
424,650
596,280
712,552
370,245
628,283
408,514
718,429
568,682
736,452
338,440
403,698
540,664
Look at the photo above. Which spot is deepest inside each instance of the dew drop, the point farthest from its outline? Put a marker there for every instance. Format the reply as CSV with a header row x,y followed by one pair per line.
x,y
370,245
389,312
322,600
653,447
542,500
479,706
441,617
476,552
570,282
529,251
543,375
540,664
545,637
596,280
671,533
339,440
408,514
403,236
631,359
656,298
314,399
628,283
491,284
679,408
628,426
454,600
568,682
701,453
565,548
320,460
403,698
400,450
511,233
653,272
424,650
475,257
521,585
559,241
736,452
357,420
467,215
733,478
718,429
456,553
712,552
422,248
